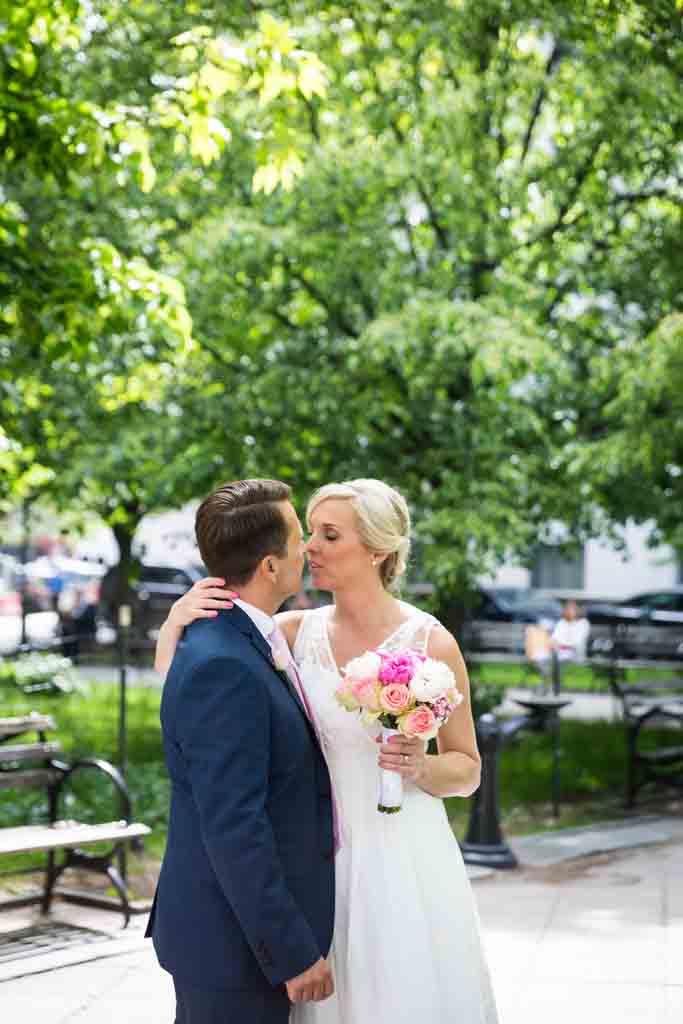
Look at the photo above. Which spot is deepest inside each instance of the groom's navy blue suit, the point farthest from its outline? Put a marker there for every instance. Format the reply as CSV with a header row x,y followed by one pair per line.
x,y
245,899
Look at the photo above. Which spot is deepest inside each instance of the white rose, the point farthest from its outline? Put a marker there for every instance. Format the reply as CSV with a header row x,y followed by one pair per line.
x,y
431,680
365,667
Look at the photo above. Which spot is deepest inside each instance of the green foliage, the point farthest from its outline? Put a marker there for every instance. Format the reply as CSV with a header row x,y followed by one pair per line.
x,y
223,72
486,697
35,673
457,295
638,459
87,727
592,779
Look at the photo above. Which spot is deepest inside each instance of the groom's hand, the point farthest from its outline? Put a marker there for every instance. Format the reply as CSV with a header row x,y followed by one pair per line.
x,y
313,985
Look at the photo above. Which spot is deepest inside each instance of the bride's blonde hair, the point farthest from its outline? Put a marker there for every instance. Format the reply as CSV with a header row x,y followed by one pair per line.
x,y
383,522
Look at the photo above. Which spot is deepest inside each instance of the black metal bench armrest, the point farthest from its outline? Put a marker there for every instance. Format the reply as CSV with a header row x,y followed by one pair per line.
x,y
67,771
655,714
643,709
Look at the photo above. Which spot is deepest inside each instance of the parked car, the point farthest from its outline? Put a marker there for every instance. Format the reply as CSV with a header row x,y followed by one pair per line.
x,y
155,590
647,625
500,615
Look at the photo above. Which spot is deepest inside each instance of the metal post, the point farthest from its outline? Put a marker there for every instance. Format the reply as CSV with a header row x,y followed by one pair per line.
x,y
555,671
484,843
545,716
23,558
555,736
124,620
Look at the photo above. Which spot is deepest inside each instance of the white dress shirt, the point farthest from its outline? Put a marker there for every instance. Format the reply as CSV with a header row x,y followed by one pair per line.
x,y
264,622
571,636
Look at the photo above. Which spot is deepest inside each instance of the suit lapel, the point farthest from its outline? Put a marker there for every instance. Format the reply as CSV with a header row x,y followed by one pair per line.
x,y
241,621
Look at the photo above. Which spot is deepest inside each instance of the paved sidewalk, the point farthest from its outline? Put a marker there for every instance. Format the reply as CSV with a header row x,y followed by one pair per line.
x,y
598,939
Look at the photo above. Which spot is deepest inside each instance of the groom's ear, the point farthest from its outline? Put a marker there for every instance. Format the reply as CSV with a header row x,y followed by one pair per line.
x,y
268,568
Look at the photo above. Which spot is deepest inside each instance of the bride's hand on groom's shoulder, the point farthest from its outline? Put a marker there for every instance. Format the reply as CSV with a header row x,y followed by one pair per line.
x,y
203,601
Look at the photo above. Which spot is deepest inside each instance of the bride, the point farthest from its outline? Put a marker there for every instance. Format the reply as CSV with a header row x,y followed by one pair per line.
x,y
406,943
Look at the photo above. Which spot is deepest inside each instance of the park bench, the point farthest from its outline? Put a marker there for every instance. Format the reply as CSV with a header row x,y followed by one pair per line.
x,y
33,764
647,703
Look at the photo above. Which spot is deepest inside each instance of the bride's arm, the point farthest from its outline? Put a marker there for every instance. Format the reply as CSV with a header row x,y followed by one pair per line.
x,y
202,601
456,769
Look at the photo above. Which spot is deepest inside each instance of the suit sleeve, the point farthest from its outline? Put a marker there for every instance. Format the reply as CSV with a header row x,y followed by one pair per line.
x,y
223,731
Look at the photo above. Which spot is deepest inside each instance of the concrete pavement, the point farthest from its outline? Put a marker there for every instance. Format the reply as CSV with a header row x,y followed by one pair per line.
x,y
596,938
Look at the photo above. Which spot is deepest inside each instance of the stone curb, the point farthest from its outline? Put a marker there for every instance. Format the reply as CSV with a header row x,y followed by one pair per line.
x,y
545,849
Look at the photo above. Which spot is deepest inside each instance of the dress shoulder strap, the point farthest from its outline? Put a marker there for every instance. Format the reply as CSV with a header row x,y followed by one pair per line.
x,y
413,633
311,640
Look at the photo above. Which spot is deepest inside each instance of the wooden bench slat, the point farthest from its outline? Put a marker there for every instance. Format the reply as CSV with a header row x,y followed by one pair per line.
x,y
664,755
26,838
29,752
26,723
664,683
29,777
636,702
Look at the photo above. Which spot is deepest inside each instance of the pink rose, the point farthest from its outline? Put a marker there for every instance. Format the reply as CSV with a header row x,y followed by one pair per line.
x,y
395,698
420,722
365,692
397,668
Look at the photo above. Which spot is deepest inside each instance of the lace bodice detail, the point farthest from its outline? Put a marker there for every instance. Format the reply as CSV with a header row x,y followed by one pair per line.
x,y
312,644
342,732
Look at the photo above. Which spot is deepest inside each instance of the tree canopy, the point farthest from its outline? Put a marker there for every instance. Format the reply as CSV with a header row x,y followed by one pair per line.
x,y
469,286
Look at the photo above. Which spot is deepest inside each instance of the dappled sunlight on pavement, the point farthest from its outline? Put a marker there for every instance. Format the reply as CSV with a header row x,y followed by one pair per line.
x,y
588,940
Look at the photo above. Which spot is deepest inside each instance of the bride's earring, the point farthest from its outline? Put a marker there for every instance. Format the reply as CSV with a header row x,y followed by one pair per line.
x,y
374,560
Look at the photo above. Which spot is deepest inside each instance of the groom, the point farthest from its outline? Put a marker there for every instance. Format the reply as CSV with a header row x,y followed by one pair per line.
x,y
243,912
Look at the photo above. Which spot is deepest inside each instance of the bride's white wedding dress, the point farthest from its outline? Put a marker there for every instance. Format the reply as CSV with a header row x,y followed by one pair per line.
x,y
406,939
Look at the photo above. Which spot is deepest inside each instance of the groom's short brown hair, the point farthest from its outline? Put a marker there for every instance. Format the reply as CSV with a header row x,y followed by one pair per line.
x,y
239,524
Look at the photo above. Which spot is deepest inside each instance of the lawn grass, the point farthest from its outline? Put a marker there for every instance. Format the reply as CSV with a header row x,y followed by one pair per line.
x,y
574,678
592,770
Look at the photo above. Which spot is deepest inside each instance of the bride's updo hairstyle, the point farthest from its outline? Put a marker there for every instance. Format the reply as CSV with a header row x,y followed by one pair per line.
x,y
383,522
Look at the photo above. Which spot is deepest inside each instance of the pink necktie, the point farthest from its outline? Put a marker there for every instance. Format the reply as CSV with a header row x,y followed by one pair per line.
x,y
283,657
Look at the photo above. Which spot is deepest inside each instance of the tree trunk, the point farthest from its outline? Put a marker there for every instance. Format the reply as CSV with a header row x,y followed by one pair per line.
x,y
121,589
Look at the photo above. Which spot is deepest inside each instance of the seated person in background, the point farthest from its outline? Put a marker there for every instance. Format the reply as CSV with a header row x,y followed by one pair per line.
x,y
567,642
570,635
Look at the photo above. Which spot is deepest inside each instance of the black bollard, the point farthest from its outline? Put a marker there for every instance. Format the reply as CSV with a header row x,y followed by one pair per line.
x,y
555,672
484,844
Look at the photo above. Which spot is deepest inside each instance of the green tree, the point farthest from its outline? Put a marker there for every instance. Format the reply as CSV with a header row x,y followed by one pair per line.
x,y
88,317
636,464
488,216
492,202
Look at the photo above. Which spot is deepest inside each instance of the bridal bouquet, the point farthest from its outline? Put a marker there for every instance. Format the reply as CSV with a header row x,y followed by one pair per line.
x,y
406,693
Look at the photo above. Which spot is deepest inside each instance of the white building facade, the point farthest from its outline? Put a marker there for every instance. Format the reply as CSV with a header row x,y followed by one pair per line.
x,y
599,570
